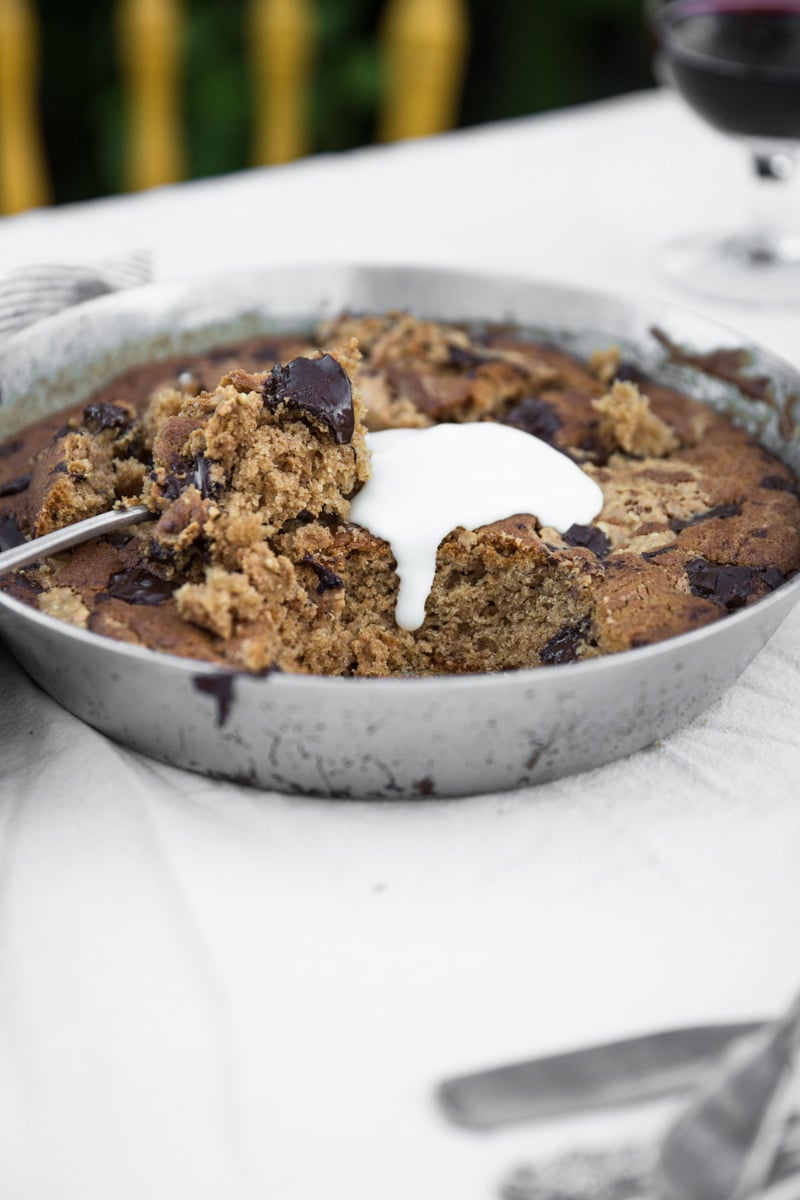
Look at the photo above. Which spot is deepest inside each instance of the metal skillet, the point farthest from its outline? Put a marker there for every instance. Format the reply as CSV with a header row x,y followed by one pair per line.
x,y
446,736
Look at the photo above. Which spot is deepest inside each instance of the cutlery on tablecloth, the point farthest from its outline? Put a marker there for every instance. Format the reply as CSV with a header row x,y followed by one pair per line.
x,y
616,1073
738,1139
724,1146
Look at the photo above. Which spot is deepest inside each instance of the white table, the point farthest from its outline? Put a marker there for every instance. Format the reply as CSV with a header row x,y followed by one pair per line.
x,y
207,991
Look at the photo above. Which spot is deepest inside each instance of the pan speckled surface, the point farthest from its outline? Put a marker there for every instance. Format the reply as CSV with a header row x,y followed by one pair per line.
x,y
395,737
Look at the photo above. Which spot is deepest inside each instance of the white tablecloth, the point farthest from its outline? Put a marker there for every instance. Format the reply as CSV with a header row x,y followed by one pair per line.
x,y
207,991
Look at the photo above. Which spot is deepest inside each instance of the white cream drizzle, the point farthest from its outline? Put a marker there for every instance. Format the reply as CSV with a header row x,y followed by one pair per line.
x,y
427,482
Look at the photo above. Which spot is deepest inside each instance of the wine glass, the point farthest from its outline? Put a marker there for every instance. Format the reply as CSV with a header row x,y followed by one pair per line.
x,y
737,63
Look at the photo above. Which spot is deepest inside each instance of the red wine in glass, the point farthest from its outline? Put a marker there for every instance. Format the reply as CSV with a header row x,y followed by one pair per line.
x,y
737,63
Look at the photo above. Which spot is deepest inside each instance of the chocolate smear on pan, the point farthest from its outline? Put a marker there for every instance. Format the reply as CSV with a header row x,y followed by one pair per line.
x,y
221,688
725,364
318,387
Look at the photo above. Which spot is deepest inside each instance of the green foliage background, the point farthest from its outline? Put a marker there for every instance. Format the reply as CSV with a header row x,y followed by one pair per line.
x,y
526,56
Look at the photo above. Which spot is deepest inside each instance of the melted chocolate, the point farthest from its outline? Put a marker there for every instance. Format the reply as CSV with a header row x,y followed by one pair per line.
x,y
10,534
105,415
328,580
172,487
721,510
137,586
727,365
595,447
563,647
534,416
777,483
425,787
628,372
14,486
589,536
10,448
194,472
318,387
466,358
649,555
221,687
731,586
20,587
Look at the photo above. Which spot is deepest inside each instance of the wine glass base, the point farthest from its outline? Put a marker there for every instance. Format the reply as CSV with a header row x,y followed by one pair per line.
x,y
741,269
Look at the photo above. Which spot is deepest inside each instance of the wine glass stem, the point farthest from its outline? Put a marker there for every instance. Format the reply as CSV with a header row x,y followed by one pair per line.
x,y
774,198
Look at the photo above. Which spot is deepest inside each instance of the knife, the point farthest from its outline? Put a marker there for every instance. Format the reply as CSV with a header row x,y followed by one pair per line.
x,y
615,1073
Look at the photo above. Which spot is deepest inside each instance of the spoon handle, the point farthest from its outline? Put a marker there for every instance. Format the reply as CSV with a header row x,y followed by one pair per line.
x,y
71,535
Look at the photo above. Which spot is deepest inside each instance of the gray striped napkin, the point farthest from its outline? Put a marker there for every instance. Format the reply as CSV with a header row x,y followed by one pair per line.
x,y
626,1173
29,293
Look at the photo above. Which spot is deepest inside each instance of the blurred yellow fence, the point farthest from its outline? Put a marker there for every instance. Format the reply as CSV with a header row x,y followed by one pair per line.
x,y
423,46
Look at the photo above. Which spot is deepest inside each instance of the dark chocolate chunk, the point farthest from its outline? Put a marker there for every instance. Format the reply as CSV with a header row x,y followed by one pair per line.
x,y
10,448
118,538
773,577
721,510
649,555
534,416
159,553
20,587
137,586
62,468
105,415
465,357
10,534
589,536
172,487
778,483
316,386
328,579
221,687
628,372
563,647
594,445
731,586
13,487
